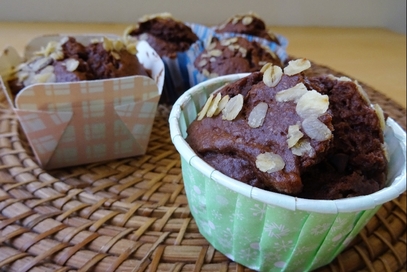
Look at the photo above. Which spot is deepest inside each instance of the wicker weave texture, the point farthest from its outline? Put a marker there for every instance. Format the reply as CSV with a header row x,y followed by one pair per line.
x,y
132,214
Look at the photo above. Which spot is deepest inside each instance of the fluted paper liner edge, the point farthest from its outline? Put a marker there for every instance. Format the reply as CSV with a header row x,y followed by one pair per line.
x,y
269,231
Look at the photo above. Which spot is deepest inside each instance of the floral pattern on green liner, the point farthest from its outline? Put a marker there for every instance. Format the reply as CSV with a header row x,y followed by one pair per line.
x,y
266,237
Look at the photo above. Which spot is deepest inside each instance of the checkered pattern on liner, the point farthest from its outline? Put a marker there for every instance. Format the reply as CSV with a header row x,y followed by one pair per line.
x,y
81,122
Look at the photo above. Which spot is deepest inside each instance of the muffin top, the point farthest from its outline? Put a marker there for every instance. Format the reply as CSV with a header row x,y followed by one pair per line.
x,y
281,131
67,60
234,55
109,60
165,34
249,24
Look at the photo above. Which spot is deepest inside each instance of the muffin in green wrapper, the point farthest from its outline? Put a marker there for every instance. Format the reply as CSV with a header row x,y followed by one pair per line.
x,y
268,230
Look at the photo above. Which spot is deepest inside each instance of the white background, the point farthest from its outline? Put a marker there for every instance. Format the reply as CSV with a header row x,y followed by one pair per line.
x,y
389,14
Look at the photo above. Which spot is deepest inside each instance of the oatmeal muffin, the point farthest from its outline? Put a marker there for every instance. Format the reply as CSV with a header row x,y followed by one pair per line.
x,y
279,130
234,55
165,34
67,60
249,24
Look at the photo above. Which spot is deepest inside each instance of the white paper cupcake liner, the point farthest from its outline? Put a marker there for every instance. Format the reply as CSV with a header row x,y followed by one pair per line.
x,y
177,79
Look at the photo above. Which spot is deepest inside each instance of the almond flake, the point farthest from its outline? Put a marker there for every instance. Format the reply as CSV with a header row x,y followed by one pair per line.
x,y
131,48
148,17
272,75
57,55
63,40
71,64
205,108
269,162
214,105
118,45
265,67
222,26
342,78
107,44
95,40
211,46
202,63
128,30
380,115
297,66
227,42
312,103
232,47
235,20
222,104
303,147
247,20
47,70
39,63
386,151
233,107
294,135
43,78
362,93
315,129
115,55
243,51
257,115
22,76
215,52
292,94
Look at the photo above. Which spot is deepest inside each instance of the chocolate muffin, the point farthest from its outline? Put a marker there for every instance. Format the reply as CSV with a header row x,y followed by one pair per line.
x,y
282,131
356,164
234,55
249,24
166,35
109,59
68,60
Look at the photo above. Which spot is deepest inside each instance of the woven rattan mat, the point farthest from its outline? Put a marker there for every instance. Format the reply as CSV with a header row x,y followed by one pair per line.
x,y
132,214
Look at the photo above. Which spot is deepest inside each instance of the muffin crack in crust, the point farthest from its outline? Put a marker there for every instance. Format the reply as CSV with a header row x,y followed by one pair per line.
x,y
314,137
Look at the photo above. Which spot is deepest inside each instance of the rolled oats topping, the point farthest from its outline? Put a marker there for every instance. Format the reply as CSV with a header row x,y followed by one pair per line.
x,y
71,64
315,129
233,107
215,52
303,147
362,92
257,115
292,94
247,20
148,17
296,66
272,75
294,135
269,162
380,115
53,49
312,104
